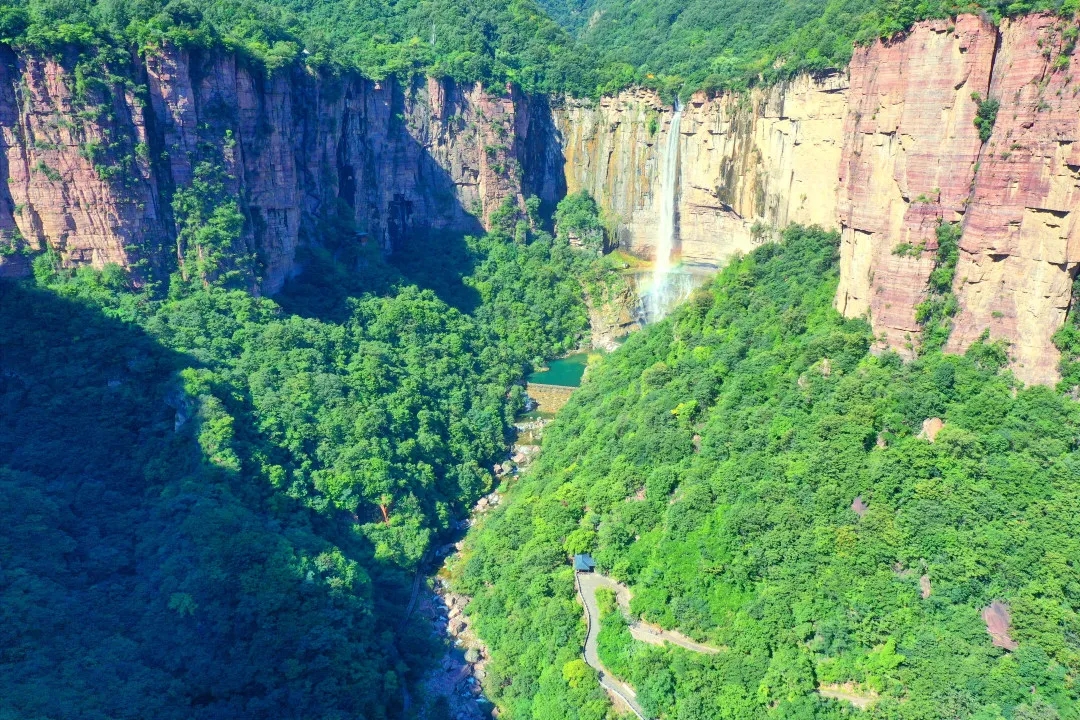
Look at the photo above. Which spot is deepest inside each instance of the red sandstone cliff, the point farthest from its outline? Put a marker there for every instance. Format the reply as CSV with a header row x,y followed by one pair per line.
x,y
919,158
54,194
92,176
910,150
1021,241
881,153
1016,195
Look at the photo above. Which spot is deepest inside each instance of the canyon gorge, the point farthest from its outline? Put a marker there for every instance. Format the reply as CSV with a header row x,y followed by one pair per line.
x,y
881,152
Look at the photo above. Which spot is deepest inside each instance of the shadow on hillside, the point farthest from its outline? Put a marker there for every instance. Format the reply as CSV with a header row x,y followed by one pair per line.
x,y
425,227
151,578
439,262
331,276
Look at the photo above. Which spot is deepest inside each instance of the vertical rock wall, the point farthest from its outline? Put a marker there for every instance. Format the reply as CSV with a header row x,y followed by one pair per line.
x,y
59,190
747,163
93,176
882,154
1021,241
910,152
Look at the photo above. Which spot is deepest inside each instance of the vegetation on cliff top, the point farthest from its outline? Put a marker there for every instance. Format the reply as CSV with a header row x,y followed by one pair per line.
x,y
762,482
685,45
215,503
496,41
596,47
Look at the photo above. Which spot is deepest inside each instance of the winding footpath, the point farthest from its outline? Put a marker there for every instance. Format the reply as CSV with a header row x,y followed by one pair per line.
x,y
587,585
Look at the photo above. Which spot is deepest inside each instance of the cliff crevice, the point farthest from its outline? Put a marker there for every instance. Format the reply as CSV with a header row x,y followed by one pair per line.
x,y
882,153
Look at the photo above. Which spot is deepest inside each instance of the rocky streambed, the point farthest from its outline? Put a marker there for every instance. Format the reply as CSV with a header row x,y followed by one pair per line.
x,y
455,686
457,679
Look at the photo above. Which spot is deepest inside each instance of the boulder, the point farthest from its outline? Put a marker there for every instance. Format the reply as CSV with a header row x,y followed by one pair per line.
x,y
931,427
998,621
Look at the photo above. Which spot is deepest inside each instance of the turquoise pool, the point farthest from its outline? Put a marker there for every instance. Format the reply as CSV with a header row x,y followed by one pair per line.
x,y
566,371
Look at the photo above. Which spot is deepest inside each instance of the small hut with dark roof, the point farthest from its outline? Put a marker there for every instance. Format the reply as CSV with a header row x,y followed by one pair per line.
x,y
583,562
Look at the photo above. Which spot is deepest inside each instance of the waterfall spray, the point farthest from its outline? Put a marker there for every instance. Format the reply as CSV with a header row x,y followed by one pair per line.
x,y
656,300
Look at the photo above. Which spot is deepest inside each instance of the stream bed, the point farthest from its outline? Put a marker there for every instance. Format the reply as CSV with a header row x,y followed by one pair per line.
x,y
455,684
459,674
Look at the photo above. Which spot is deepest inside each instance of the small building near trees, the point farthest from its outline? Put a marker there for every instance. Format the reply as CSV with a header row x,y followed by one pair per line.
x,y
583,562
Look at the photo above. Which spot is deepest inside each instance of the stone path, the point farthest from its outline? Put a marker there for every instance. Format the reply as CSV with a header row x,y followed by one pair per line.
x,y
849,693
658,636
588,584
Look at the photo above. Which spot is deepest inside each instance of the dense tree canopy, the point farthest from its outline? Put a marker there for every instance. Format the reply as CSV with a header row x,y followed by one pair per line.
x,y
584,47
685,45
763,483
215,503
496,41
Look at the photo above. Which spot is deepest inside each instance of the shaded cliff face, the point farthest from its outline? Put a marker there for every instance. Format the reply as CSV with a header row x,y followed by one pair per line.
x,y
881,154
92,174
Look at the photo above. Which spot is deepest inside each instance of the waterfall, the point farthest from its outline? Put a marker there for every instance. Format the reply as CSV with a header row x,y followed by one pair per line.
x,y
658,297
656,301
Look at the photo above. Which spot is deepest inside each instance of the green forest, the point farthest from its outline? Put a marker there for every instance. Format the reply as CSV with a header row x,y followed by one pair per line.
x,y
215,504
582,47
497,42
680,46
219,505
762,483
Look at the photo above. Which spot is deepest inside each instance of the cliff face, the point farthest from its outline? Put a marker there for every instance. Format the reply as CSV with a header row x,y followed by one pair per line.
x,y
54,195
92,168
741,159
882,154
1021,242
910,150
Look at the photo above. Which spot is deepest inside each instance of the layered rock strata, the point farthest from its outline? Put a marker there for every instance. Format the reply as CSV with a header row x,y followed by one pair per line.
x,y
910,151
747,163
1021,241
883,154
91,171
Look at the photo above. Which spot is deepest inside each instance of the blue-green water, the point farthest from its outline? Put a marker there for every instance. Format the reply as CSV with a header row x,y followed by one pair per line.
x,y
565,371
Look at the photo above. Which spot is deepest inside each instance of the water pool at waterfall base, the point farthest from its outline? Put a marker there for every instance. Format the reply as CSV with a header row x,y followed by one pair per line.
x,y
565,371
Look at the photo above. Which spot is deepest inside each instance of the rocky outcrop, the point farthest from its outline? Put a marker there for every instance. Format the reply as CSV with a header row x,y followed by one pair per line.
x,y
882,153
1021,241
910,151
614,313
59,191
998,623
93,167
